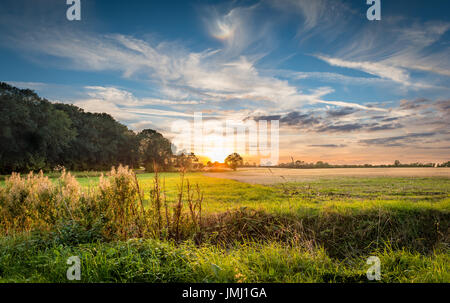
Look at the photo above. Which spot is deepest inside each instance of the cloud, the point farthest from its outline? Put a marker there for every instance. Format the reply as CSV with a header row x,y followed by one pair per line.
x,y
381,127
228,75
391,50
224,75
352,105
292,119
319,17
328,145
374,68
389,119
239,30
414,104
414,116
413,48
312,11
357,126
339,78
296,118
397,140
181,74
123,105
126,98
341,127
344,111
443,106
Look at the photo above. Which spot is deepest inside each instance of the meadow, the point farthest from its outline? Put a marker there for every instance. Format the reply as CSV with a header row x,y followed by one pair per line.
x,y
168,230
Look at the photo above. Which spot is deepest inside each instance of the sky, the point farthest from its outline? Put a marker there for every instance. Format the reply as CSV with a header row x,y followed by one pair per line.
x,y
344,89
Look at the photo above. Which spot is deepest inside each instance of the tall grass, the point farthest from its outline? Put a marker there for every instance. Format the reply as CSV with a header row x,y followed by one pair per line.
x,y
116,208
34,202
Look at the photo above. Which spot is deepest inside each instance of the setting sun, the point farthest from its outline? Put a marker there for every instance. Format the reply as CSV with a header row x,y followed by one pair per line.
x,y
218,155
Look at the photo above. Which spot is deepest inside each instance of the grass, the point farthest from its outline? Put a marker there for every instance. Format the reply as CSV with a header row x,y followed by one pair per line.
x,y
316,231
343,192
26,260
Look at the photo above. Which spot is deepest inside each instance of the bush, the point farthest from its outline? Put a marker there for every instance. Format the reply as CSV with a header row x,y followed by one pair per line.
x,y
35,202
73,233
114,210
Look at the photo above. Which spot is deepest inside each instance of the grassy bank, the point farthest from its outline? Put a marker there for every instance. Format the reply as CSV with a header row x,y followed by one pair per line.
x,y
126,229
26,259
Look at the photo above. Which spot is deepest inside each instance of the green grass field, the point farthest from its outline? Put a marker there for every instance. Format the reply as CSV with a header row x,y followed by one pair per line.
x,y
317,231
340,193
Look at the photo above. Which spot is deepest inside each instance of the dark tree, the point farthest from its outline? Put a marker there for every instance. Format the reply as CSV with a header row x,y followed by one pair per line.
x,y
37,134
234,160
33,133
154,149
186,161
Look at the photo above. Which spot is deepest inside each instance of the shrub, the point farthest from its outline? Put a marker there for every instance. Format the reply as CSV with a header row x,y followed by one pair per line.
x,y
114,210
28,203
73,233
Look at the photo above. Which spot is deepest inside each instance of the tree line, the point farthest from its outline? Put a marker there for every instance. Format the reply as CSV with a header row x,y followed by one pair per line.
x,y
321,164
36,134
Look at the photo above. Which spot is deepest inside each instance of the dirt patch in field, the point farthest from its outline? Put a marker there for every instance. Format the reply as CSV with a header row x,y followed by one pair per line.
x,y
280,175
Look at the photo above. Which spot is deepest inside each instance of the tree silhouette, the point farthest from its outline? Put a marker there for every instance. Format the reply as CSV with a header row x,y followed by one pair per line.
x,y
234,160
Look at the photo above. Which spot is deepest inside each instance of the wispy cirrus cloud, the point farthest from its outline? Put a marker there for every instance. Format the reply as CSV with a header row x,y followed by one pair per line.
x,y
389,49
378,69
124,106
325,18
395,51
180,76
178,73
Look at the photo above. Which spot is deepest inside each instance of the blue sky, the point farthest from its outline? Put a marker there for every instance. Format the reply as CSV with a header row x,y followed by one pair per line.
x,y
345,89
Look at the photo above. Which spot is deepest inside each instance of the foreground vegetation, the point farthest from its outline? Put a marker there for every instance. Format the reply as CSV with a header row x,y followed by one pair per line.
x,y
165,228
32,259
